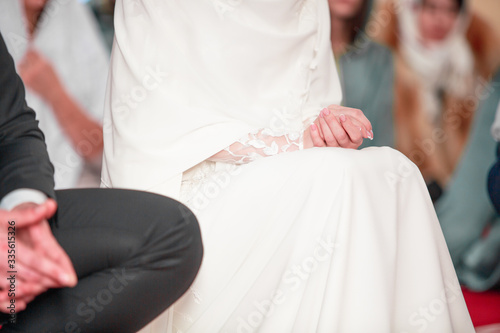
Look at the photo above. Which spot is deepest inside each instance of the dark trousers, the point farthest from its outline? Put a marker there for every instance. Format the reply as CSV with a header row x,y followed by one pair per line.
x,y
134,253
494,182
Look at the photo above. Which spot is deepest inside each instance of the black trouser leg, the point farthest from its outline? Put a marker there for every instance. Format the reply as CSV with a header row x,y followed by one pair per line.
x,y
494,182
134,253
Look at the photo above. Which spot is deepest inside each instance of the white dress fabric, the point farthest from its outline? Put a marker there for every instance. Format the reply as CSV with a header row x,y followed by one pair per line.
x,y
319,240
316,240
189,78
68,37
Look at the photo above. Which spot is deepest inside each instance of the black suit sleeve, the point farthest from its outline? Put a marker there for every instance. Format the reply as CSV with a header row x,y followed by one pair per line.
x,y
24,162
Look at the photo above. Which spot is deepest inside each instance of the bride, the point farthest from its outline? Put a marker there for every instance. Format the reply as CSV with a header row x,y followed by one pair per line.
x,y
229,106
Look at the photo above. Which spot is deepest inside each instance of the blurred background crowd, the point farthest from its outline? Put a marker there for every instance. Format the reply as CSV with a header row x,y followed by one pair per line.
x,y
425,72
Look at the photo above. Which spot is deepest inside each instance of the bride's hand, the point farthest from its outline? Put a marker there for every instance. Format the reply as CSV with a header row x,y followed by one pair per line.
x,y
338,126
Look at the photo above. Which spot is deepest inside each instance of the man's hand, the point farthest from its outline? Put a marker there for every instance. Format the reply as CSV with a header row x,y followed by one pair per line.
x,y
39,75
338,126
40,262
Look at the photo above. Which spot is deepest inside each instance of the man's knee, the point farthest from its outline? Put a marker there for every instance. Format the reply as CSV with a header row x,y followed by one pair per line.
x,y
178,232
194,253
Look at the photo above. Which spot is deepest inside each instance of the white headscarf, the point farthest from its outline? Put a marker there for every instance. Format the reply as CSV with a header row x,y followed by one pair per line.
x,y
443,66
68,37
188,78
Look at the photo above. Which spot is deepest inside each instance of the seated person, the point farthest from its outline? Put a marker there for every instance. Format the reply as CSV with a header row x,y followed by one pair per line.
x,y
95,261
465,210
481,267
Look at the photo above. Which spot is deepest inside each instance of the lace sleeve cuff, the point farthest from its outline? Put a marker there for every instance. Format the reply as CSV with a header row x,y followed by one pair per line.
x,y
261,143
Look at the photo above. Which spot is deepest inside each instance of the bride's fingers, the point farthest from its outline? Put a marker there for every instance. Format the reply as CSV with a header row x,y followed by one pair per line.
x,y
352,130
366,133
356,114
315,136
338,131
330,137
318,125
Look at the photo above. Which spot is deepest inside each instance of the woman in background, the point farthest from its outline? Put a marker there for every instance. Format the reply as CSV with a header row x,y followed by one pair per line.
x,y
62,59
446,57
445,105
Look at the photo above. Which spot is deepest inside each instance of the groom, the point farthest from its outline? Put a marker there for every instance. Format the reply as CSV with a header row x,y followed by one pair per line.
x,y
88,260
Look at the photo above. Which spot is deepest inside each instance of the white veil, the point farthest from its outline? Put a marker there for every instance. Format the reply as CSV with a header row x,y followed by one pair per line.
x,y
190,77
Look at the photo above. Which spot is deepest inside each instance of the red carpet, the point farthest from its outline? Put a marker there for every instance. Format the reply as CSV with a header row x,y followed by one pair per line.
x,y
484,308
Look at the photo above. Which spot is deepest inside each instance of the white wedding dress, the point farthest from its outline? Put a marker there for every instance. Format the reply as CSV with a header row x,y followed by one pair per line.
x,y
317,240
320,240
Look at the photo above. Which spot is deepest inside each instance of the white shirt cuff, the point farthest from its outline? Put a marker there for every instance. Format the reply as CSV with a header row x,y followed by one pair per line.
x,y
20,196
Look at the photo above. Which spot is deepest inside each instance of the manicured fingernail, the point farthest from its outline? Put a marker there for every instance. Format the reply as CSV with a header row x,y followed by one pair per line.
x,y
313,127
342,117
369,135
372,134
326,112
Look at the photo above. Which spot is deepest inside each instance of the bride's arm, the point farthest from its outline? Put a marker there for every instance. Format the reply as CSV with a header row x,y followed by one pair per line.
x,y
262,143
348,131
